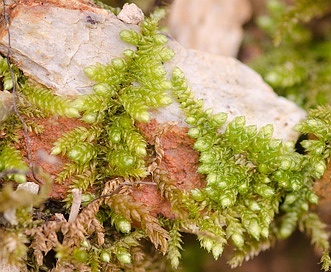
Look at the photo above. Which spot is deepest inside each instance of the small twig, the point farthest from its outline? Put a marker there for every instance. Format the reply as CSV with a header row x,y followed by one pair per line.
x,y
118,188
76,201
28,141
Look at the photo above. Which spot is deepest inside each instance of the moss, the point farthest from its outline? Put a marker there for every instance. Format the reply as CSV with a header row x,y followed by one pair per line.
x,y
299,66
258,189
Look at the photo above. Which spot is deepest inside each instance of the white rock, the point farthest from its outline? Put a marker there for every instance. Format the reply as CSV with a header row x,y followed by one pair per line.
x,y
58,43
8,268
30,187
227,85
131,14
213,26
10,214
6,105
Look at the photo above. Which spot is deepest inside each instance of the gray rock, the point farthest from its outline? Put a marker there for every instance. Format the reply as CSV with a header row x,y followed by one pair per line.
x,y
53,44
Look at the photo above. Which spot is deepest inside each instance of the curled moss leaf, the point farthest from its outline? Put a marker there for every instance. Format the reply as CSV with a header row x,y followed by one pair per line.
x,y
82,152
130,36
105,256
123,255
121,224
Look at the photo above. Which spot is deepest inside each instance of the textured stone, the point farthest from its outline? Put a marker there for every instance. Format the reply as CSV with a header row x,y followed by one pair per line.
x,y
10,214
59,42
8,268
53,44
213,26
227,85
131,14
6,105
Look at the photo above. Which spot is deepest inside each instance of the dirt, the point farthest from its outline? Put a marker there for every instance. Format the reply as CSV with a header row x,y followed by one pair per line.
x,y
322,188
41,145
179,160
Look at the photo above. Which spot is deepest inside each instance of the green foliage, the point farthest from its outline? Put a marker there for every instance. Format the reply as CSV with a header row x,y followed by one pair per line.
x,y
46,101
124,91
5,77
299,67
175,245
11,159
70,139
258,188
301,11
136,81
108,146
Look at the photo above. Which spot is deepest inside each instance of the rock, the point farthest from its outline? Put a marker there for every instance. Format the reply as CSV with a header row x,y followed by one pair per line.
x,y
131,14
8,268
227,85
10,214
59,42
30,187
213,26
6,105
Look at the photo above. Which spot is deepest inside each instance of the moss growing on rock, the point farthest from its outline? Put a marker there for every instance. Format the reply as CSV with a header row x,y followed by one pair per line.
x,y
258,189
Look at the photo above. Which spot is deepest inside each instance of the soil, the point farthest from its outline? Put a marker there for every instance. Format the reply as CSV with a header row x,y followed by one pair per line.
x,y
179,160
322,188
41,145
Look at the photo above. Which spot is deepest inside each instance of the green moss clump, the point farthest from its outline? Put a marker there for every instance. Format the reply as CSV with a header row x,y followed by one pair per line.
x,y
299,67
258,188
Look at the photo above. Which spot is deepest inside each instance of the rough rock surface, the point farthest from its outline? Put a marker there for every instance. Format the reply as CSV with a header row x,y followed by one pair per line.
x,y
8,268
60,41
6,105
227,85
213,26
131,14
